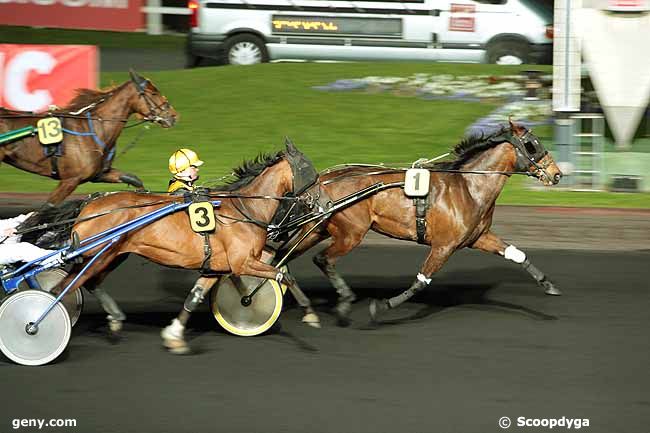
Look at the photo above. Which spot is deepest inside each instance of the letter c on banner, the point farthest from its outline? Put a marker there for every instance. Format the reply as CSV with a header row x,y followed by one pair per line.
x,y
16,73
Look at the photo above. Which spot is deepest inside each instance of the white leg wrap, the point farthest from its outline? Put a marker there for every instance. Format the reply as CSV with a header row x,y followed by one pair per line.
x,y
514,254
424,279
175,330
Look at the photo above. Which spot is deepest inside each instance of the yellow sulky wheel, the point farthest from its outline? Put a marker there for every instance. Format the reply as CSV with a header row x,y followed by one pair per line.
x,y
247,320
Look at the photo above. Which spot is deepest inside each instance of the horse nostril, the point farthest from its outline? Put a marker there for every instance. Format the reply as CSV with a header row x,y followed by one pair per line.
x,y
557,177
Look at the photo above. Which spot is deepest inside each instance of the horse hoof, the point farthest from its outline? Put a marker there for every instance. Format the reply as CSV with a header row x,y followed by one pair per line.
x,y
376,307
176,347
550,289
343,321
553,291
312,320
115,325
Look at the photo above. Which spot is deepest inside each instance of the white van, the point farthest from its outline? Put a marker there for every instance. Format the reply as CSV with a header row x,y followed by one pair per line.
x,y
253,31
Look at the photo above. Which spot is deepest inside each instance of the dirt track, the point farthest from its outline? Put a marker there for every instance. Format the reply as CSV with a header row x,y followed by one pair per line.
x,y
483,342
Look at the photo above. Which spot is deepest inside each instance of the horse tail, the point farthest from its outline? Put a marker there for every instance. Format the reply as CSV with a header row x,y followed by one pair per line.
x,y
50,226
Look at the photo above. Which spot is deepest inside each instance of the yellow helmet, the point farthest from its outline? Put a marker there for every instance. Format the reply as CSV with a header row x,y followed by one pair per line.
x,y
183,159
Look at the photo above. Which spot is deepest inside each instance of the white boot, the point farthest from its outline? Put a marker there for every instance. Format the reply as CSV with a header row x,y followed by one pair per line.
x,y
173,339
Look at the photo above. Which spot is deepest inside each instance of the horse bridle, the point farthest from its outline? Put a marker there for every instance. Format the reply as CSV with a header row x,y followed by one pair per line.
x,y
155,110
530,148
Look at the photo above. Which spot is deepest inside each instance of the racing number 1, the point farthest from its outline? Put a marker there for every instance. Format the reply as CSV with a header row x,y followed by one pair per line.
x,y
417,181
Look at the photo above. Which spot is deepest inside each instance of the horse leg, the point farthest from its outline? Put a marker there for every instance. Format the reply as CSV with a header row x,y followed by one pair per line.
x,y
257,268
310,317
63,190
434,261
116,176
491,243
115,315
342,243
173,334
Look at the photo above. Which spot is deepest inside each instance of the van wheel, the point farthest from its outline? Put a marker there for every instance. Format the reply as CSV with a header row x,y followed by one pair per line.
x,y
245,49
508,53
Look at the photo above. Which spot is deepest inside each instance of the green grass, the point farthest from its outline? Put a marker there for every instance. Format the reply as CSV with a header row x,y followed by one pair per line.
x,y
231,113
103,39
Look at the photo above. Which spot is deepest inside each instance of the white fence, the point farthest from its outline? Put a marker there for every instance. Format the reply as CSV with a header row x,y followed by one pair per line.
x,y
155,11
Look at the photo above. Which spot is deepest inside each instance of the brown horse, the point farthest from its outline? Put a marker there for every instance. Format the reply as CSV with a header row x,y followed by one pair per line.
x,y
236,245
92,123
461,200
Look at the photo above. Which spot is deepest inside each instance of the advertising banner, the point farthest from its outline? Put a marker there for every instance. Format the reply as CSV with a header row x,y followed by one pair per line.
x,y
33,77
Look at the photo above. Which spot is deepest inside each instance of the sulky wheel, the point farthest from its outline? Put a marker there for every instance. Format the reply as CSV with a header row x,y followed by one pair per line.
x,y
51,337
239,319
72,301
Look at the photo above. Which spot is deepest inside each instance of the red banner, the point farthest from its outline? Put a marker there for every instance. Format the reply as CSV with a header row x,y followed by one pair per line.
x,y
32,77
121,15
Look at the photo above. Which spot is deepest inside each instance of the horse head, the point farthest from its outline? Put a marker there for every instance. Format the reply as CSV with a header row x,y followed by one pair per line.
x,y
532,157
152,104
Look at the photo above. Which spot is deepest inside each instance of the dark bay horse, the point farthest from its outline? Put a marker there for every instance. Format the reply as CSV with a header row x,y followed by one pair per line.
x,y
236,245
94,121
462,196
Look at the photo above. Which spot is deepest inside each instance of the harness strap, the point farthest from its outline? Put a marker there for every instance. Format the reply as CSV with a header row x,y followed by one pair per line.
x,y
421,206
207,252
54,163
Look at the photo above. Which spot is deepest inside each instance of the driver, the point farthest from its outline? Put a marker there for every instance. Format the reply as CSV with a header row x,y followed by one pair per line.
x,y
184,165
11,248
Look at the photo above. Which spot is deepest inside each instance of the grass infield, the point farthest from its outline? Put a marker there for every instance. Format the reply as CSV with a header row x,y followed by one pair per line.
x,y
231,113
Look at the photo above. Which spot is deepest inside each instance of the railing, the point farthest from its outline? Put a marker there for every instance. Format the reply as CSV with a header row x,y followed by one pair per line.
x,y
155,11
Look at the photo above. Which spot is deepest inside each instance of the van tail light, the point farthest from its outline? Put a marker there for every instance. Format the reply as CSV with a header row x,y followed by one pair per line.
x,y
549,31
193,6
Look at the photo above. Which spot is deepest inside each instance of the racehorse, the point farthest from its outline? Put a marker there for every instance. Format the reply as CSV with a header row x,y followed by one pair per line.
x,y
462,195
247,206
91,125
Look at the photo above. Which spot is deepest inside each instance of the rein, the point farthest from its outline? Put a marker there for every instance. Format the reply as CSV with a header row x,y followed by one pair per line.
x,y
46,226
88,218
344,176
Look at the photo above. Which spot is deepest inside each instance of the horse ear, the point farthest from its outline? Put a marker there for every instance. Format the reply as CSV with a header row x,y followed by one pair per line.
x,y
291,148
513,126
138,79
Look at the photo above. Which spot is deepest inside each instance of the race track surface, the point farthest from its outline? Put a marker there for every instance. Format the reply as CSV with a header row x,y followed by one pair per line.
x,y
481,343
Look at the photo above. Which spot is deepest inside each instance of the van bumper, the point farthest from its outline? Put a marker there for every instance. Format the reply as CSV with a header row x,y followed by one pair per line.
x,y
204,45
541,54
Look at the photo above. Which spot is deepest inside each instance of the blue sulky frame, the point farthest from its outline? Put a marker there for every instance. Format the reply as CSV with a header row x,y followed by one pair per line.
x,y
105,240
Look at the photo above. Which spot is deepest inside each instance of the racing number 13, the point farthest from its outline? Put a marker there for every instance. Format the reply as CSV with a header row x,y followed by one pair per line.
x,y
49,130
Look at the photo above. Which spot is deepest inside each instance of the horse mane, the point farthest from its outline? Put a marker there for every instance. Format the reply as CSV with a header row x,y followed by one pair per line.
x,y
58,235
250,169
86,97
468,148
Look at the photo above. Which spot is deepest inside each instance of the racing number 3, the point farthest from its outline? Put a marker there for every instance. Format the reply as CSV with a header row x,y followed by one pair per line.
x,y
202,217
49,130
